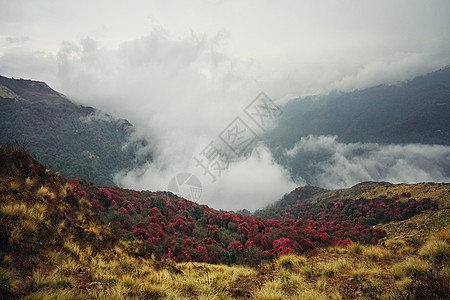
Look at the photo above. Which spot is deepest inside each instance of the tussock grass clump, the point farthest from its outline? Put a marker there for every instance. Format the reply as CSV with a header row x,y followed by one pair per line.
x,y
333,267
372,289
365,270
339,250
377,253
27,227
291,262
411,266
38,213
29,182
44,193
222,277
311,294
291,282
14,186
43,281
94,231
7,280
404,284
437,248
21,210
306,271
66,190
271,290
56,294
83,202
73,248
395,244
355,248
68,267
442,235
153,291
16,210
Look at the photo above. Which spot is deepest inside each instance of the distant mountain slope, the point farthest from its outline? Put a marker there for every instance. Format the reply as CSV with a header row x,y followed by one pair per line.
x,y
78,141
417,111
307,199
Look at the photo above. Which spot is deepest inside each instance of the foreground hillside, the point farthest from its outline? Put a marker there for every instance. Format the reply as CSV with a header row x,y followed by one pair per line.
x,y
78,141
58,247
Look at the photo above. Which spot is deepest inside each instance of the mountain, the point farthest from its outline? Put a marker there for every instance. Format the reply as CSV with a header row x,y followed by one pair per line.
x,y
370,134
78,141
76,240
416,111
379,203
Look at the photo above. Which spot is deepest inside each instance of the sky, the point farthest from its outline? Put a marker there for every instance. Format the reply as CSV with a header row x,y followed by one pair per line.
x,y
182,71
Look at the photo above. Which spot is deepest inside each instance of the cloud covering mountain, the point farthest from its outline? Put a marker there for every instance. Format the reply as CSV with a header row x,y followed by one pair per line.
x,y
181,78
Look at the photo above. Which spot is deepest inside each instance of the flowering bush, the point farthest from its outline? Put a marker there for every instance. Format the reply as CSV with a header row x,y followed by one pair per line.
x,y
236,245
202,253
178,229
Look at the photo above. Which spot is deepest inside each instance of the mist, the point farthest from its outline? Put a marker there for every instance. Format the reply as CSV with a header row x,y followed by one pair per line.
x,y
180,79
328,163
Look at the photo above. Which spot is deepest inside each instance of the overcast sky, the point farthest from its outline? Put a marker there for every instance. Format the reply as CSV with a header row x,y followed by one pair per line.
x,y
181,71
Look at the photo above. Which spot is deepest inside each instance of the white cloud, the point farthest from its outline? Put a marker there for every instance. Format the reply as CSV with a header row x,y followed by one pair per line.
x,y
252,182
343,165
180,78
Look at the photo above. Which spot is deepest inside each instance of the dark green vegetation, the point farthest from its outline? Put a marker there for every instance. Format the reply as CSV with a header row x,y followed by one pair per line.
x,y
363,128
78,141
416,111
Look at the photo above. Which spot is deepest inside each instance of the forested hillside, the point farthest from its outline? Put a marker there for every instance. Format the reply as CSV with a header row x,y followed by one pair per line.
x,y
78,141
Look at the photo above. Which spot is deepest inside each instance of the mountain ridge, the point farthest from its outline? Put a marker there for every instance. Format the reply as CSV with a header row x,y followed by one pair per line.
x,y
366,190
413,112
76,140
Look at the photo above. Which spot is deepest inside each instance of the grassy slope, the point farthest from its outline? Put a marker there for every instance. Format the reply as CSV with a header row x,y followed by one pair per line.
x,y
417,229
60,250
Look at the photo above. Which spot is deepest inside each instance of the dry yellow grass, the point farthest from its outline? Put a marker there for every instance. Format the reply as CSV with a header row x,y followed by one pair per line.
x,y
437,191
332,267
21,210
355,248
291,262
14,186
377,253
271,290
395,244
29,182
117,275
44,193
435,250
411,266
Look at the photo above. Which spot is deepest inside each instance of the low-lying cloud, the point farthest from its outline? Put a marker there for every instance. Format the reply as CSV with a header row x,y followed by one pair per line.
x,y
251,182
180,79
330,164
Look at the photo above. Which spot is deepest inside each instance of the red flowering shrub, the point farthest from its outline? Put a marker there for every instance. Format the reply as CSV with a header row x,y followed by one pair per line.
x,y
283,246
342,243
189,242
169,255
186,256
181,230
248,243
236,245
202,253
123,210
